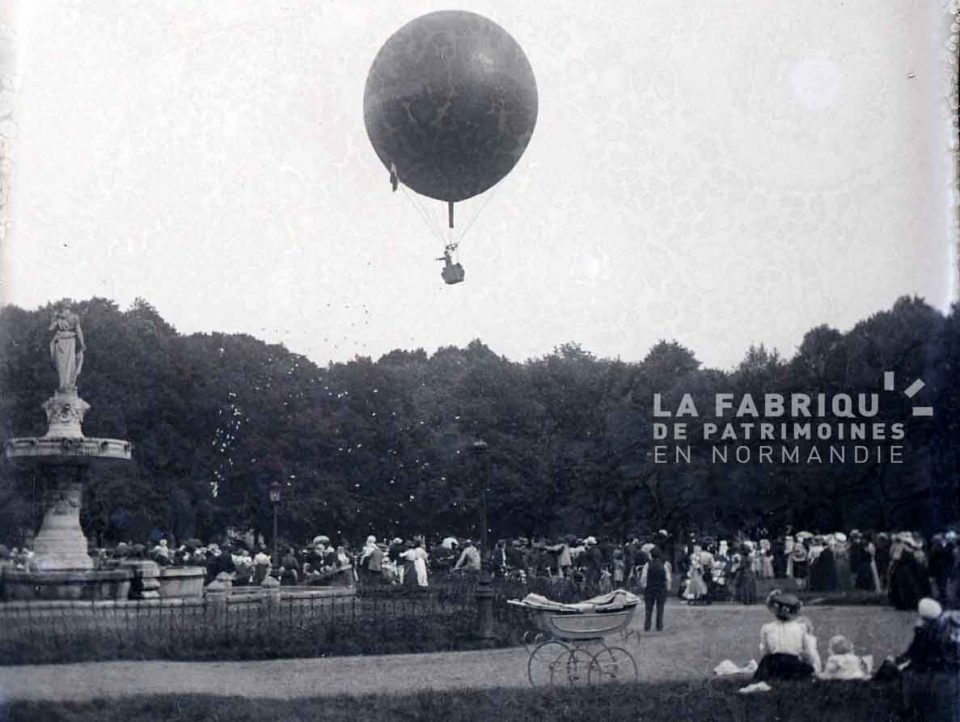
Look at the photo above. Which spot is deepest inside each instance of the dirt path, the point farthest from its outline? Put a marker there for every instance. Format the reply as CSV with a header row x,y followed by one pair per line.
x,y
697,638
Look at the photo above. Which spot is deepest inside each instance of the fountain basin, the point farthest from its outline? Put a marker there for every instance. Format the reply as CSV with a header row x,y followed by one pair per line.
x,y
93,585
181,582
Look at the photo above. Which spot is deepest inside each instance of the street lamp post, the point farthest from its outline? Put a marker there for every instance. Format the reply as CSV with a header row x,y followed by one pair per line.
x,y
484,591
480,449
276,490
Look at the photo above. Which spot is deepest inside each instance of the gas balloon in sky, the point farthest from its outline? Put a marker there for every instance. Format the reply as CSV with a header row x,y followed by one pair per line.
x,y
450,104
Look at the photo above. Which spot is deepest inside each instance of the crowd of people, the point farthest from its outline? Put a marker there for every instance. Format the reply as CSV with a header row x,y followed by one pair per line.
x,y
916,573
700,570
903,565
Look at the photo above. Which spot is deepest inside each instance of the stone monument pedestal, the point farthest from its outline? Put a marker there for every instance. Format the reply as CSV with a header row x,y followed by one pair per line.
x,y
61,545
65,410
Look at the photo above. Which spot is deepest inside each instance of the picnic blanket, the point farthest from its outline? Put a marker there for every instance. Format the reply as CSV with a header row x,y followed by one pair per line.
x,y
610,602
728,667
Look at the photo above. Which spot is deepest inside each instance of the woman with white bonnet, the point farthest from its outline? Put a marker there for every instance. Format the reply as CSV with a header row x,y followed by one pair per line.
x,y
931,677
370,563
788,650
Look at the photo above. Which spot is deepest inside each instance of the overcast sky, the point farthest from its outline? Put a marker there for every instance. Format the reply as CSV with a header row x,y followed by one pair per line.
x,y
721,173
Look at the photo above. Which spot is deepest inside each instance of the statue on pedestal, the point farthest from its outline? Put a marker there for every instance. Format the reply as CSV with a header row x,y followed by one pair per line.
x,y
66,348
65,409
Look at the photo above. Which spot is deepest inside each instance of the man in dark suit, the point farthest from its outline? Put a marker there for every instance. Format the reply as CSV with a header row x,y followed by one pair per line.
x,y
593,562
655,580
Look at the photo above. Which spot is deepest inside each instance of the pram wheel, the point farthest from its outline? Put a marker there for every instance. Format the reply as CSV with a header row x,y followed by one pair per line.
x,y
547,664
613,664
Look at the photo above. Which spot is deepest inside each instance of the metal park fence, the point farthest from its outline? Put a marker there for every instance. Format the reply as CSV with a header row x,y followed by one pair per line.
x,y
254,625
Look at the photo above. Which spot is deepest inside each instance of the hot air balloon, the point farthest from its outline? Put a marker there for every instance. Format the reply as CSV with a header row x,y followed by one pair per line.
x,y
450,105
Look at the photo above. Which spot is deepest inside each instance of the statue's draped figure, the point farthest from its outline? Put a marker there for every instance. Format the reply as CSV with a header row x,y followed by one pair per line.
x,y
66,348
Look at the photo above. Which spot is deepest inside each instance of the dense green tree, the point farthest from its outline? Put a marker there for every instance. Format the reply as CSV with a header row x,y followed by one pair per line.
x,y
382,446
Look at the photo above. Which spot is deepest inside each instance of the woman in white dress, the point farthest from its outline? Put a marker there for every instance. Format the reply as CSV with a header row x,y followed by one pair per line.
x,y
418,555
696,587
766,559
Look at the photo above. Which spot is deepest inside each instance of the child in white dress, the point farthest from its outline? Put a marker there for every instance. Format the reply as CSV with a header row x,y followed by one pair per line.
x,y
843,663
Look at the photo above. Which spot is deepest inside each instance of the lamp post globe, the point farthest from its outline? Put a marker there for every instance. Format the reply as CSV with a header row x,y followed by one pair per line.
x,y
276,491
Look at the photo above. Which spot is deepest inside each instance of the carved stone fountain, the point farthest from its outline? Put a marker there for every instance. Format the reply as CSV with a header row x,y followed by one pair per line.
x,y
62,460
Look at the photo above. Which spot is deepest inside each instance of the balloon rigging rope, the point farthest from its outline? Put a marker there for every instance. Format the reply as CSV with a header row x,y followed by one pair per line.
x,y
477,212
431,224
452,243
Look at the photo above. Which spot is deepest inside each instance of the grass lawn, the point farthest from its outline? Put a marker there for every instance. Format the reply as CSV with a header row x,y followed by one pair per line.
x,y
695,641
697,638
669,701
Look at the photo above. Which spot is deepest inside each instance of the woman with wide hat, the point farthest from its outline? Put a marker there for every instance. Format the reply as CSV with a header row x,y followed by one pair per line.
x,y
788,650
908,582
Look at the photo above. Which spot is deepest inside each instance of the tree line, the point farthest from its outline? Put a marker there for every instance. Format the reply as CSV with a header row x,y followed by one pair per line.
x,y
384,446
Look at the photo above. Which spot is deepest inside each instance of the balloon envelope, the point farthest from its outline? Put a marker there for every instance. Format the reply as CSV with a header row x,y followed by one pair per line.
x,y
451,101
